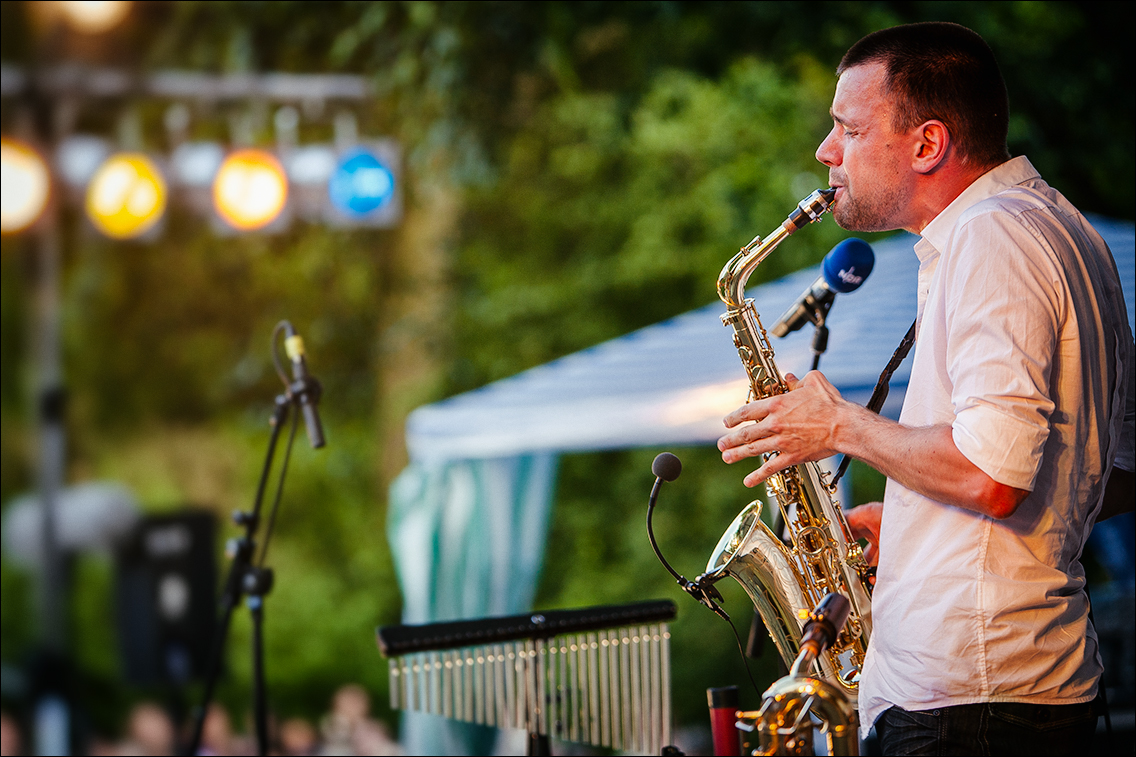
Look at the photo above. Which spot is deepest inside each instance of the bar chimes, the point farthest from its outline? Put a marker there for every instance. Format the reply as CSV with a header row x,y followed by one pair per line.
x,y
597,675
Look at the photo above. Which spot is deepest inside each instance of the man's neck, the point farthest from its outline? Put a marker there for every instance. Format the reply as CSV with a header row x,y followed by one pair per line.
x,y
935,191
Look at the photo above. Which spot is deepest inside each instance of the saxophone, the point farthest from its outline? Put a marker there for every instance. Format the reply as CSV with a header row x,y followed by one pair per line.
x,y
785,581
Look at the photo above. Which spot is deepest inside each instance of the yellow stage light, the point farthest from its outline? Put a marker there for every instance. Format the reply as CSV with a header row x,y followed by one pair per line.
x,y
24,185
94,16
250,189
127,196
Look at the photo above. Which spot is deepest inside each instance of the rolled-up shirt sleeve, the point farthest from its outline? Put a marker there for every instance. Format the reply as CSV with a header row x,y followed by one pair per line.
x,y
1003,312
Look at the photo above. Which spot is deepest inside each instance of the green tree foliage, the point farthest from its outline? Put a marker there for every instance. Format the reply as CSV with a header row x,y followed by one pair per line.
x,y
607,218
578,170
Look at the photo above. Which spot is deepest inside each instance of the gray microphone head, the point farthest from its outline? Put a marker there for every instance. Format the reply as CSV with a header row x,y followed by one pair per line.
x,y
666,467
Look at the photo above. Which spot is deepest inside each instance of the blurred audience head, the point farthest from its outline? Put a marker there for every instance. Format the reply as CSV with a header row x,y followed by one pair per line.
x,y
298,737
351,704
217,732
11,741
150,730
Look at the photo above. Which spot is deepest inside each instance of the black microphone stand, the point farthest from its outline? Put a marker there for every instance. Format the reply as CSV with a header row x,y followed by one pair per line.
x,y
248,576
820,335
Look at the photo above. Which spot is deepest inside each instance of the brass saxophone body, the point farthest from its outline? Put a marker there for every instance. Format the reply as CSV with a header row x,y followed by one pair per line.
x,y
785,581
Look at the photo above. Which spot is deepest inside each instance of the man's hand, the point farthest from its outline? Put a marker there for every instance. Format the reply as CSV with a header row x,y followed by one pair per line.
x,y
799,425
864,520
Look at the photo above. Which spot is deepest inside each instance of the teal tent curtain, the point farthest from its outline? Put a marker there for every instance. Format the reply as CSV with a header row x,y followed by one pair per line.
x,y
468,541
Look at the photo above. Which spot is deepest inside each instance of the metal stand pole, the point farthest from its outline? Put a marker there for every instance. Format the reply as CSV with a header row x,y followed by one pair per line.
x,y
245,578
52,711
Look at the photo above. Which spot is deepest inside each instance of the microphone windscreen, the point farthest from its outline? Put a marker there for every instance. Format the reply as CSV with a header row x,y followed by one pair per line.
x,y
666,467
848,264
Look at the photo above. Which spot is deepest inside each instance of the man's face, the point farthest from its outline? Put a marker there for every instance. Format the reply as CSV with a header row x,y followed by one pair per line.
x,y
868,163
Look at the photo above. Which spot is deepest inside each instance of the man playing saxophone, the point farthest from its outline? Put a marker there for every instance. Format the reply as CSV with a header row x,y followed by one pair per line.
x,y
1013,416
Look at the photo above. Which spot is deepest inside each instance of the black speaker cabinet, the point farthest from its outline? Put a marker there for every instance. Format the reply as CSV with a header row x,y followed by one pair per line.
x,y
166,598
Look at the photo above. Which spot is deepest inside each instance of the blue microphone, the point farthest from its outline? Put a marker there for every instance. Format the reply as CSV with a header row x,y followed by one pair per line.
x,y
844,269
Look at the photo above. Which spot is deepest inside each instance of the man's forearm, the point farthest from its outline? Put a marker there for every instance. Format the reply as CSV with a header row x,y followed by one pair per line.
x,y
924,460
812,421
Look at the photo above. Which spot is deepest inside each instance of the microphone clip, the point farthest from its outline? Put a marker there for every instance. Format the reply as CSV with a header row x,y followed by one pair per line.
x,y
304,390
703,590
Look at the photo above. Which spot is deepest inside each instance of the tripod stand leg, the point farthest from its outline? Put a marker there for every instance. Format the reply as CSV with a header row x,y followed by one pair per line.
x,y
260,705
211,678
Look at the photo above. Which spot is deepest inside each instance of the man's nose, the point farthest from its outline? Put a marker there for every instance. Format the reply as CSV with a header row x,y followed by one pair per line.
x,y
828,152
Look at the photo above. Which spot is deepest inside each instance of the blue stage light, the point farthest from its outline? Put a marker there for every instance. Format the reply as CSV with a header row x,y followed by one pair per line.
x,y
361,184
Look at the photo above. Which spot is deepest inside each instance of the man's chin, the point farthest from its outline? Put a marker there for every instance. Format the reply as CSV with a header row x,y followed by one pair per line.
x,y
845,217
848,219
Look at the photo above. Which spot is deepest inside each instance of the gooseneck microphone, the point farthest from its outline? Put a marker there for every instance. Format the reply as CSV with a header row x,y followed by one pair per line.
x,y
305,387
667,467
844,269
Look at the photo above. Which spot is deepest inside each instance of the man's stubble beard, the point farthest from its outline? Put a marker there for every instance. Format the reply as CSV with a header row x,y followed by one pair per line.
x,y
879,212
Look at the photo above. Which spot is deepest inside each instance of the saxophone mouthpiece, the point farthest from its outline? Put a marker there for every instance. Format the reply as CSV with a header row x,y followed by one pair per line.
x,y
810,209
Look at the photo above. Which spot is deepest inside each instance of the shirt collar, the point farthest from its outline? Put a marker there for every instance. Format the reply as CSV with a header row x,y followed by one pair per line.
x,y
1014,171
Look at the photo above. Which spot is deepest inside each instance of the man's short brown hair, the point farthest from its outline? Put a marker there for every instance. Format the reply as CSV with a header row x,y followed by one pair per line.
x,y
946,72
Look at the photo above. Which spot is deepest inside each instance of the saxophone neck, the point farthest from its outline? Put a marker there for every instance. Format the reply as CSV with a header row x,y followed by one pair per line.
x,y
734,276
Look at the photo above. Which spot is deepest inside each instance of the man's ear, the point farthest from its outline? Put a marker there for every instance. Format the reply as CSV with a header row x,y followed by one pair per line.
x,y
931,146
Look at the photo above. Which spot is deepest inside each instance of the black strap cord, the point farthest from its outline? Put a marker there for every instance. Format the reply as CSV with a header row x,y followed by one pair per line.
x,y
880,393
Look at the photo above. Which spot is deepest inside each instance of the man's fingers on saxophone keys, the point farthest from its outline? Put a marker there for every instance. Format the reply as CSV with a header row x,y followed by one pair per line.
x,y
757,411
738,417
741,449
748,441
775,464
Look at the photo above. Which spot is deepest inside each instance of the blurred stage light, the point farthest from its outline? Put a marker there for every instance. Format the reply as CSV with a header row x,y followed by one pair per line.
x,y
361,183
195,164
250,189
312,164
24,185
94,16
78,157
309,169
127,196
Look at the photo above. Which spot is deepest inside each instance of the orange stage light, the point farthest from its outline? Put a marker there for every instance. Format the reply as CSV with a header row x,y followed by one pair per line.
x,y
250,189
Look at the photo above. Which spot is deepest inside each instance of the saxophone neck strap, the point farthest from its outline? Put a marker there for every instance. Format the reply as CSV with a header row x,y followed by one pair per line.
x,y
880,393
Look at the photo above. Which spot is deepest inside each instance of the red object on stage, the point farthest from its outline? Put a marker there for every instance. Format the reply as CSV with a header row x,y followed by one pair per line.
x,y
723,720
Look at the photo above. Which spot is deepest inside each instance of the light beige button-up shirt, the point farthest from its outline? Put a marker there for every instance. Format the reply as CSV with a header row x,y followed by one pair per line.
x,y
1022,347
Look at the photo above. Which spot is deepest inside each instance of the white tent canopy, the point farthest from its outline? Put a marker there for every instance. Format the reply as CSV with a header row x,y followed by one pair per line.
x,y
671,383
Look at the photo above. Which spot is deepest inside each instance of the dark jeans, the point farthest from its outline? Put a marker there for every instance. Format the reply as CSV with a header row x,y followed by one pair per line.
x,y
989,729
